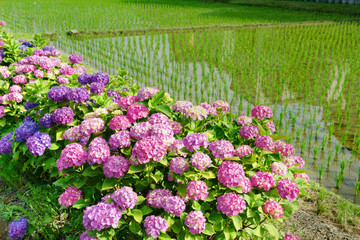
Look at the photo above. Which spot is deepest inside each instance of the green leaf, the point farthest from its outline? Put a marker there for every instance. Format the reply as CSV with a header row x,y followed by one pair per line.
x,y
208,175
237,221
177,227
189,236
46,219
137,214
232,159
109,183
272,230
146,210
164,109
89,172
134,227
182,189
54,146
79,182
276,137
136,168
164,236
209,229
158,176
2,122
81,203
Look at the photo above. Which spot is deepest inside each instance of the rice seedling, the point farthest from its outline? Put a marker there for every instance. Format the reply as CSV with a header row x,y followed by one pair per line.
x,y
330,157
357,186
321,171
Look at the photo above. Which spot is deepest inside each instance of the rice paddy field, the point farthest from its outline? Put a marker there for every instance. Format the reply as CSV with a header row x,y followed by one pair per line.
x,y
303,64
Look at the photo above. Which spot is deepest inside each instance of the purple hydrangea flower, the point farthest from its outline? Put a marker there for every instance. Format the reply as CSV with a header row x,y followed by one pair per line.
x,y
102,215
146,93
97,88
30,105
58,93
62,116
125,197
17,229
80,94
195,141
100,77
85,78
116,166
38,142
85,236
154,225
25,130
46,120
195,221
75,58
221,149
5,144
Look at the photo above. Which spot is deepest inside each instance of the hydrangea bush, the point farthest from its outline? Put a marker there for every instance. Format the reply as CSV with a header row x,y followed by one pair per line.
x,y
135,164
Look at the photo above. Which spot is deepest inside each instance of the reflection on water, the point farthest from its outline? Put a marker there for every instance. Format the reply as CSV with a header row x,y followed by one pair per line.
x,y
315,100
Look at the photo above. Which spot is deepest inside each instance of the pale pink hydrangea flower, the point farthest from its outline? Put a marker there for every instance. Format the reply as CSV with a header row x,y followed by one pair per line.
x,y
116,166
279,168
197,190
273,208
221,149
244,120
200,160
262,111
70,196
243,150
264,180
231,204
303,176
195,221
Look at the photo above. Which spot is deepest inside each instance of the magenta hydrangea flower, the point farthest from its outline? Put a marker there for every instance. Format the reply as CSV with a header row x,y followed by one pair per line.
x,y
245,185
231,204
17,97
126,102
287,189
284,148
2,111
85,236
230,174
303,176
243,150
298,160
150,148
99,151
264,180
156,197
102,215
271,126
244,120
200,161
4,72
211,109
120,122
137,111
70,196
221,149
164,132
67,70
279,168
197,190
72,134
125,197
179,165
222,106
91,125
15,88
62,116
265,142
75,58
39,74
195,141
273,208
120,139
176,126
116,166
291,236
181,106
196,113
249,132
140,130
19,79
195,221
146,93
72,155
154,225
174,205
159,118
2,23
47,64
262,111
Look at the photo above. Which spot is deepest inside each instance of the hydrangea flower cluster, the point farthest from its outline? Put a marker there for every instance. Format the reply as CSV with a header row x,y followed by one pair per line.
x,y
284,148
154,225
120,139
125,198
243,120
70,196
174,205
262,111
231,204
197,190
150,148
302,176
273,208
222,106
75,58
62,116
18,228
249,132
178,165
85,236
102,215
99,151
230,174
156,197
279,168
119,123
243,150
196,113
200,161
265,142
287,189
195,141
78,95
146,93
126,102
264,180
72,155
290,236
136,111
38,142
181,106
116,166
221,149
195,221
26,130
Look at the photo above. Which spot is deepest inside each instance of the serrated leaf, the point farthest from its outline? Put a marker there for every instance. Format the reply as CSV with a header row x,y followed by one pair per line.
x,y
108,183
209,229
137,214
134,227
81,203
146,210
54,146
272,230
136,169
237,221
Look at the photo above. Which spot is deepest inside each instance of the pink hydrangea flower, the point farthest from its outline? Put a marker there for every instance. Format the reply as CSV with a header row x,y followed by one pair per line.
x,y
125,198
271,126
222,106
197,113
159,118
195,141
72,134
211,109
195,221
249,132
197,190
244,120
264,180
178,165
262,111
5,73
120,139
156,197
291,236
284,148
176,148
231,204
46,63
116,166
146,93
62,80
102,215
243,150
140,130
154,225
70,196
99,151
273,208
15,88
20,79
181,106
221,149
279,168
120,122
303,176
287,189
164,132
174,205
126,102
137,111
85,236
150,148
72,155
230,174
176,126
265,142
200,161
91,125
